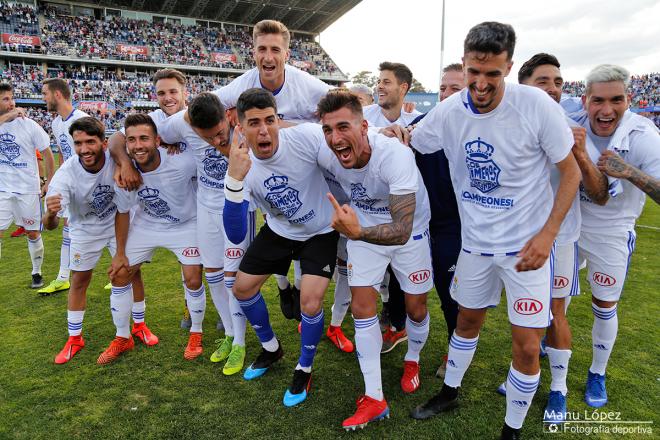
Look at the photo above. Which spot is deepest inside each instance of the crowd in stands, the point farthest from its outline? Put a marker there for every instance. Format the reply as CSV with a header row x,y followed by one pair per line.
x,y
18,19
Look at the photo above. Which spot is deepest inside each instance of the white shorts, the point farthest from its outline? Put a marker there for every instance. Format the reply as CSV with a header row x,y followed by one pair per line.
x,y
234,252
22,209
85,252
410,262
607,258
211,236
478,283
182,241
566,279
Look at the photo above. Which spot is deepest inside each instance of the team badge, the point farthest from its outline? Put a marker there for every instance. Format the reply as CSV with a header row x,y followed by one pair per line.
x,y
64,146
484,173
102,199
360,197
8,148
154,205
77,259
215,164
281,196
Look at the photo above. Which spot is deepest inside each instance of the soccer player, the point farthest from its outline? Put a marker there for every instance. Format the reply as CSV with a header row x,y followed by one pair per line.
x,y
285,183
629,148
20,188
386,224
165,218
204,127
57,95
394,82
83,187
445,224
171,95
296,93
499,140
542,71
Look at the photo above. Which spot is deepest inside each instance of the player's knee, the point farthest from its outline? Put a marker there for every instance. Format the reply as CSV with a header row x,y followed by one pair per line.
x,y
310,305
193,283
121,278
526,351
33,235
240,289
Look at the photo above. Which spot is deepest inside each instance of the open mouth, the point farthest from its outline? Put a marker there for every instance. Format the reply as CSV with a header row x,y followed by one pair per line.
x,y
605,124
264,145
268,68
342,152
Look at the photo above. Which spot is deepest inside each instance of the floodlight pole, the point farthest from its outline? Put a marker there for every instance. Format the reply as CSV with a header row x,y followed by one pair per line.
x,y
442,43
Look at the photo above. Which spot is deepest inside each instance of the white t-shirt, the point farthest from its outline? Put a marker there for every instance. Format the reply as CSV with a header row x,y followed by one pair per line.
x,y
500,163
19,140
621,212
61,133
166,198
211,164
289,186
374,114
391,170
569,231
296,100
89,198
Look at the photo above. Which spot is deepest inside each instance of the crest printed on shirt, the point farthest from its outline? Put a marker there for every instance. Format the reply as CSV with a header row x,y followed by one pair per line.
x,y
215,164
154,205
102,198
8,148
359,195
483,171
281,196
64,146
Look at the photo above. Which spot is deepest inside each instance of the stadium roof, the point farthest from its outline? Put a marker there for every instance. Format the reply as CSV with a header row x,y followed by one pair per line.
x,y
301,15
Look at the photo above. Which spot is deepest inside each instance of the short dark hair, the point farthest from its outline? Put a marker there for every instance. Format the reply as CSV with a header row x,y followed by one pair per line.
x,y
206,111
491,37
170,74
58,85
90,126
6,87
339,98
254,98
540,59
135,119
401,72
454,67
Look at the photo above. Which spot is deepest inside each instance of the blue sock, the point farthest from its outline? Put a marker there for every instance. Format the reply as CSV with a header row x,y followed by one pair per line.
x,y
310,335
256,312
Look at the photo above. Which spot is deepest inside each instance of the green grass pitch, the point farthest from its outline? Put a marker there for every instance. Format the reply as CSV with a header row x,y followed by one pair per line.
x,y
153,393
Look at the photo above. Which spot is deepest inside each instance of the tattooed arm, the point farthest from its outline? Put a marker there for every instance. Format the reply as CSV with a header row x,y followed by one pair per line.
x,y
613,165
402,210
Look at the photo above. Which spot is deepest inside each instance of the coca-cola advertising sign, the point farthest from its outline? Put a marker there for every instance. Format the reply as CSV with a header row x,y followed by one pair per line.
x,y
132,50
26,40
305,65
93,106
222,57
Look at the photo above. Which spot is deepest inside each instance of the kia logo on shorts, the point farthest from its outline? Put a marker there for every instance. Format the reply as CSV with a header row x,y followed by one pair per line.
x,y
603,279
420,276
527,306
234,253
191,252
560,282
28,221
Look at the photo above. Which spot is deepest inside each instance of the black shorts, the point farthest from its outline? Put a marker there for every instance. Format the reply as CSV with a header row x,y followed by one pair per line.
x,y
270,253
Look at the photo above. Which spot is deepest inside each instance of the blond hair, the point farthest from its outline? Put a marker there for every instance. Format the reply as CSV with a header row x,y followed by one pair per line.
x,y
265,27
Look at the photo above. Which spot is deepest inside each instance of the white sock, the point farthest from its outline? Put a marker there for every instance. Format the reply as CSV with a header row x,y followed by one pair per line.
x,y
418,332
384,288
603,334
65,251
558,360
121,300
238,319
520,390
74,320
216,281
282,282
461,352
196,300
138,311
271,345
305,369
368,343
342,297
297,274
36,249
